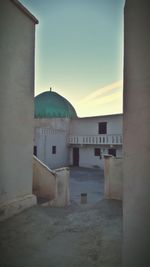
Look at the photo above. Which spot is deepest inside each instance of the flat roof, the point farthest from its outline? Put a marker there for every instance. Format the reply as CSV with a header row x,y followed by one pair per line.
x,y
25,10
108,115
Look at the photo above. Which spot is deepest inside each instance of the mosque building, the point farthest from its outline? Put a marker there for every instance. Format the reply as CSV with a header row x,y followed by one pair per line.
x,y
61,138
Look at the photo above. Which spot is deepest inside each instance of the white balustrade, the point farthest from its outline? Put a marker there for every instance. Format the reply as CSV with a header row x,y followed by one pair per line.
x,y
113,139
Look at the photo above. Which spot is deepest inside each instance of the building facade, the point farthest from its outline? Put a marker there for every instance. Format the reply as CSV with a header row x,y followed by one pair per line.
x,y
63,139
90,138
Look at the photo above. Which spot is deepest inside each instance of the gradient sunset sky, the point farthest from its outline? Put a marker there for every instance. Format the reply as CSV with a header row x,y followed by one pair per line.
x,y
79,52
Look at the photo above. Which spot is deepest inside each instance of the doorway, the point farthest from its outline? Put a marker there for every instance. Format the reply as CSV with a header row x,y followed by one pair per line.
x,y
75,156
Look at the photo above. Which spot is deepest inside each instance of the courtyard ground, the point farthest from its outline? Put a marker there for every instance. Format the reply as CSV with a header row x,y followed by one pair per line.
x,y
79,235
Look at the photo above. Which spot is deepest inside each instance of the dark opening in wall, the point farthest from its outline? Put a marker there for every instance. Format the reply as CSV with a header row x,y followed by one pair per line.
x,y
97,151
35,150
53,149
112,151
102,128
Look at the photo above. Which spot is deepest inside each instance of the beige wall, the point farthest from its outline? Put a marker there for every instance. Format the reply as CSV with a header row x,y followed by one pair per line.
x,y
113,177
44,180
136,208
51,184
17,33
62,188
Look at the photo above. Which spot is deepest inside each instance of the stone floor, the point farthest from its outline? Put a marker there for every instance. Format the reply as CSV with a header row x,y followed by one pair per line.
x,y
79,235
85,180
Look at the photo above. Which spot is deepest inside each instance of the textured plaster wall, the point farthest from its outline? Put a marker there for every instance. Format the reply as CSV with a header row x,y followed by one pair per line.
x,y
119,153
113,173
89,126
48,133
55,123
87,157
62,188
136,131
17,33
44,180
55,131
51,184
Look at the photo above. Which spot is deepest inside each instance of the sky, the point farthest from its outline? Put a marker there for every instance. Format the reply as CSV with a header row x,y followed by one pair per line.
x,y
79,52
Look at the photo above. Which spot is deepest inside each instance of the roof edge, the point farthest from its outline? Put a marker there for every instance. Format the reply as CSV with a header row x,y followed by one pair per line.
x,y
106,115
25,10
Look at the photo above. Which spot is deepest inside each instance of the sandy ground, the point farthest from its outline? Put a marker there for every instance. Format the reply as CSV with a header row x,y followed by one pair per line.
x,y
79,235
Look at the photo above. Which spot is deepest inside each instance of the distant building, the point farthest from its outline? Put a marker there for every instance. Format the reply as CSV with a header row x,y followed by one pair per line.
x,y
62,139
17,30
53,114
90,138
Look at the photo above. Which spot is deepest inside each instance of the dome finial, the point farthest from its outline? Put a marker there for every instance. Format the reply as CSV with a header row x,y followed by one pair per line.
x,y
50,89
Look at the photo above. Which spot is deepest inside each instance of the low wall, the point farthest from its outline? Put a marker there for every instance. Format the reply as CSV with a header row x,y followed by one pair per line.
x,y
16,205
62,188
44,180
113,173
51,184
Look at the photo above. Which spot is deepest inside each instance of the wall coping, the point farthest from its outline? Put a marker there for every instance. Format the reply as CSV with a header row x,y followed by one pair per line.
x,y
45,166
25,10
50,170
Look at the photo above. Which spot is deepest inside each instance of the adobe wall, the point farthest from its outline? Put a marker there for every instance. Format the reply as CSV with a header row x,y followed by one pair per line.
x,y
17,32
136,194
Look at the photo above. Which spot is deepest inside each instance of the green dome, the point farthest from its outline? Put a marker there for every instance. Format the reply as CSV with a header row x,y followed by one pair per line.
x,y
52,105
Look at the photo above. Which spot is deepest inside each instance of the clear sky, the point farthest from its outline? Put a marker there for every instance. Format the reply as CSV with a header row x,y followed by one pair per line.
x,y
79,52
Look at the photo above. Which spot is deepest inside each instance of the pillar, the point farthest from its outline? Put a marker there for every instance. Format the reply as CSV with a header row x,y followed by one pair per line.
x,y
136,131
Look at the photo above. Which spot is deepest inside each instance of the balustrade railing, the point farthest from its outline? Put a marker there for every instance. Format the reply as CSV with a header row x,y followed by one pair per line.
x,y
114,139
